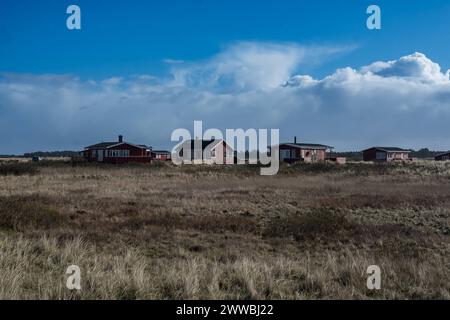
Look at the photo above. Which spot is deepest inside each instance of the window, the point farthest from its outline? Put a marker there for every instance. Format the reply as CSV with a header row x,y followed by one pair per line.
x,y
285,154
380,155
119,153
213,153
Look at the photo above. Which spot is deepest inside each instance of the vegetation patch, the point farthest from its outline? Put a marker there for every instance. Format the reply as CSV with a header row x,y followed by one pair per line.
x,y
326,225
213,232
18,168
200,222
320,223
28,213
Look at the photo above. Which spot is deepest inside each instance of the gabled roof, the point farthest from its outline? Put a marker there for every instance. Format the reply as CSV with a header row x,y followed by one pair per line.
x,y
389,149
306,146
205,143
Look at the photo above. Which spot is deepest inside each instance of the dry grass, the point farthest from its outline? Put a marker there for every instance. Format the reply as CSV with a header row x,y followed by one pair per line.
x,y
163,232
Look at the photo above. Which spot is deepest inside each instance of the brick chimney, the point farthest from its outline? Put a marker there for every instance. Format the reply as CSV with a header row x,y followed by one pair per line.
x,y
295,139
120,138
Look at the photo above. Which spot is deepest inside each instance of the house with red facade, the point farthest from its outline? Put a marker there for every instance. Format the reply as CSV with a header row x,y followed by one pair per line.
x,y
303,152
161,155
118,152
385,154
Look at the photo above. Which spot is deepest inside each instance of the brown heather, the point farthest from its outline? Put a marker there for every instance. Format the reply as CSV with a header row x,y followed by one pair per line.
x,y
193,232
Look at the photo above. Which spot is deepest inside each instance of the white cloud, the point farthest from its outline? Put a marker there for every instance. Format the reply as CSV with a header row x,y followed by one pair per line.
x,y
145,77
173,61
416,67
112,81
249,66
404,102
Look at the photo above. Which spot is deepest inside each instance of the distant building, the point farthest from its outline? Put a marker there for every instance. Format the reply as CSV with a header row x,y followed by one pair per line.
x,y
117,152
209,152
161,155
385,154
443,157
303,152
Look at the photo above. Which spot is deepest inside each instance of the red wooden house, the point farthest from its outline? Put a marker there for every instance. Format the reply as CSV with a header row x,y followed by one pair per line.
x,y
118,152
385,154
303,152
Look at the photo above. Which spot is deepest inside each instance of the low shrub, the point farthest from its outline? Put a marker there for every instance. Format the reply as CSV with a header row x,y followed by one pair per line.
x,y
313,224
18,169
19,213
204,223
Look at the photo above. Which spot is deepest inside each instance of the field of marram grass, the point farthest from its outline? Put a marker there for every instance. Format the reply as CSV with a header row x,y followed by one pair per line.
x,y
194,232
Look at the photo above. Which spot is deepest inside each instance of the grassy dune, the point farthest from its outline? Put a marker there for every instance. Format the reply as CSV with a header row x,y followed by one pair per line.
x,y
164,232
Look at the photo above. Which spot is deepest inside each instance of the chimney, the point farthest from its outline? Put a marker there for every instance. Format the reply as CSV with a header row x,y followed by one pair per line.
x,y
295,139
120,138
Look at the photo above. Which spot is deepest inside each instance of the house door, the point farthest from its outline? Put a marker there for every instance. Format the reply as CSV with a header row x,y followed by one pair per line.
x,y
100,156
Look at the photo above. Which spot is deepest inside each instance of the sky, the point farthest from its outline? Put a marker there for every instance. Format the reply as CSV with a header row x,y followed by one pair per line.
x,y
144,68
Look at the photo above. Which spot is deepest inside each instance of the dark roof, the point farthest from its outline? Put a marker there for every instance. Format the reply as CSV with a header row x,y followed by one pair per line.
x,y
102,145
389,149
161,151
205,143
442,154
306,145
105,145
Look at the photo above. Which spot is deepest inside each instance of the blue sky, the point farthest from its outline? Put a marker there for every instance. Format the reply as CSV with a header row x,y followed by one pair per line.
x,y
127,37
121,41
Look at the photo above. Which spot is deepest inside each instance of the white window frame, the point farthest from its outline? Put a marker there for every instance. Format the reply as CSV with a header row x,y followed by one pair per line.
x,y
119,153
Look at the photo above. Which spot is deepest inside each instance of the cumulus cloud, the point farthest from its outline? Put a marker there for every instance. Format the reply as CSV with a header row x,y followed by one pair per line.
x,y
403,102
415,67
